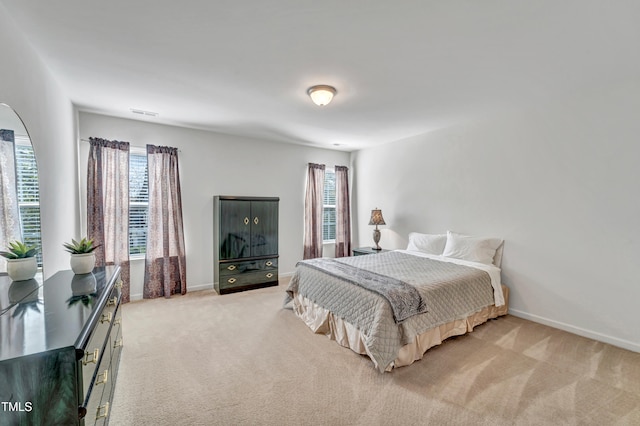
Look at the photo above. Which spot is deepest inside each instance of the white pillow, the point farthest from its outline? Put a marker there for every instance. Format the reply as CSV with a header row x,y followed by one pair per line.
x,y
474,249
427,243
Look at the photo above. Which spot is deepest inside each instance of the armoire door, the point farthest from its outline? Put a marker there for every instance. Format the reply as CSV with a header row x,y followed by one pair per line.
x,y
264,228
235,229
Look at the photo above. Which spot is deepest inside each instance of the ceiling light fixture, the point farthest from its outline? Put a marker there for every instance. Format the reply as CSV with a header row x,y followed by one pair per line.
x,y
321,94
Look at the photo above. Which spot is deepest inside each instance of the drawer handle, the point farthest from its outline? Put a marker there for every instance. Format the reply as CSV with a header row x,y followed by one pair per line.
x,y
103,411
231,267
231,280
106,317
94,358
119,284
269,263
118,321
112,302
117,343
269,275
255,220
103,378
246,220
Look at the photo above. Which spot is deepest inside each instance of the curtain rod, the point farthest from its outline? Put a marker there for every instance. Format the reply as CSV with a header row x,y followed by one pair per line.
x,y
130,144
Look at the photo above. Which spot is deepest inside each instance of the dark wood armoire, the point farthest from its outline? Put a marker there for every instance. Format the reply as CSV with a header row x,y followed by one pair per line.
x,y
245,243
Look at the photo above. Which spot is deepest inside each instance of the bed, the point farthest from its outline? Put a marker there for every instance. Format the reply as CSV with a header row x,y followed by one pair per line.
x,y
394,306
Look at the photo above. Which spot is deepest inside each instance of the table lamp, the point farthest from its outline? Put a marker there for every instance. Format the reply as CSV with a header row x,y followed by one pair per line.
x,y
376,219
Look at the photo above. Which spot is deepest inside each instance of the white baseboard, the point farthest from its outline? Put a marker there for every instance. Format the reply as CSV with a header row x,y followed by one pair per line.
x,y
625,344
205,287
200,287
189,289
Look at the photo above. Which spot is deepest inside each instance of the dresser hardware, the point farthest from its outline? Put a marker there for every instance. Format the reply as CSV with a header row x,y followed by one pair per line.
x,y
256,220
94,360
102,378
117,343
269,263
104,409
246,220
231,267
113,301
269,275
119,284
106,317
231,280
118,321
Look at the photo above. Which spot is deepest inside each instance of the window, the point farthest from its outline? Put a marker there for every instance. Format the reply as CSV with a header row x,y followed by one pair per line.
x,y
138,202
329,206
28,194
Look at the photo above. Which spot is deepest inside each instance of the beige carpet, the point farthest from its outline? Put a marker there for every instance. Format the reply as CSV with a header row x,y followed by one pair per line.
x,y
239,359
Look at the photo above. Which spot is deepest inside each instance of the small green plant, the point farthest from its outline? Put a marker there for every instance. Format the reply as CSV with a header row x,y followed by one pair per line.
x,y
80,247
19,250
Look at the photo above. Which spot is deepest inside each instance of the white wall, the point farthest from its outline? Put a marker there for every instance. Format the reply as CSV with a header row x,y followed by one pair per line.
x,y
28,87
559,182
215,164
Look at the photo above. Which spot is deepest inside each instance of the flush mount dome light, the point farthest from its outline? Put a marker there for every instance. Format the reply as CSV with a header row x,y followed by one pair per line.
x,y
321,94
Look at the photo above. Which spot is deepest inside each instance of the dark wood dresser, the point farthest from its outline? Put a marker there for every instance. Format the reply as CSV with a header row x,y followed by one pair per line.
x,y
245,243
60,345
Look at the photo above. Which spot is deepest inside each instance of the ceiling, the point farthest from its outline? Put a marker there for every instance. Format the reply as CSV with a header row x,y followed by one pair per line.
x,y
400,68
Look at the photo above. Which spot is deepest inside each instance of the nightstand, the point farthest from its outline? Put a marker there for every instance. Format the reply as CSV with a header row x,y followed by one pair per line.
x,y
361,251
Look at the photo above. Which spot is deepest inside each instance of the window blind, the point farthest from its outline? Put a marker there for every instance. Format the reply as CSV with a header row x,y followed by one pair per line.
x,y
138,203
28,194
329,208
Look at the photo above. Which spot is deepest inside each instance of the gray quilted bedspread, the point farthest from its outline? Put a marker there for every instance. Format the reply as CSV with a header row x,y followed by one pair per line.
x,y
405,299
449,290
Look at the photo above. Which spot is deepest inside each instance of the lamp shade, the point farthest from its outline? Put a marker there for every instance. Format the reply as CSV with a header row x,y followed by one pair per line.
x,y
376,217
321,95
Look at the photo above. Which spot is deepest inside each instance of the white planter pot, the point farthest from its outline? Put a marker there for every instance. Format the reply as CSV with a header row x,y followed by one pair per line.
x,y
22,269
83,263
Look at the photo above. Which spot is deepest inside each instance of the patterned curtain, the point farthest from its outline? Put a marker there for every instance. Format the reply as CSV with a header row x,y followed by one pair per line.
x,y
165,270
108,205
343,212
313,202
9,209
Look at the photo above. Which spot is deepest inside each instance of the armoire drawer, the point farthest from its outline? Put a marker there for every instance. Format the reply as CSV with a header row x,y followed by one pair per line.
x,y
249,266
248,278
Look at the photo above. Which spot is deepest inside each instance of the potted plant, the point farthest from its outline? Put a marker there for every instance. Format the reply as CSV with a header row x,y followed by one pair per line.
x,y
83,259
21,261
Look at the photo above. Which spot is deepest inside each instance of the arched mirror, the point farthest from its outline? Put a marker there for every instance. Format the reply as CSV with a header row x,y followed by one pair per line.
x,y
19,192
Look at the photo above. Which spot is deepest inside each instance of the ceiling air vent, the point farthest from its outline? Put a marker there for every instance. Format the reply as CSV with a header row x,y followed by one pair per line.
x,y
143,112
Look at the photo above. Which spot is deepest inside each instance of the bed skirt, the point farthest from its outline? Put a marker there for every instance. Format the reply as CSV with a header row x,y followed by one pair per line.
x,y
321,321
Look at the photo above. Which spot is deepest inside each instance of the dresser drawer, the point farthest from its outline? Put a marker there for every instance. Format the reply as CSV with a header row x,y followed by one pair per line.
x,y
97,344
99,386
248,278
99,400
250,266
116,329
118,286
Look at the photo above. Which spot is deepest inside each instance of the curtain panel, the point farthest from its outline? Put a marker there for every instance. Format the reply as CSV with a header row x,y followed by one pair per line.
x,y
165,264
313,203
10,213
343,212
108,205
